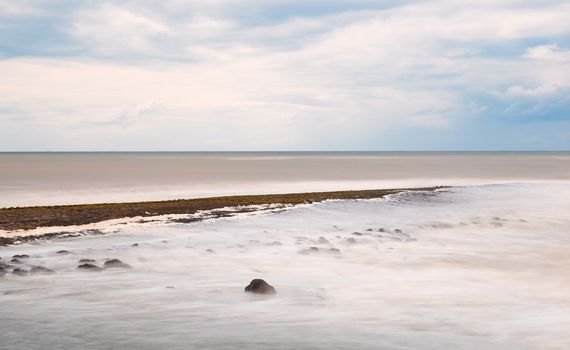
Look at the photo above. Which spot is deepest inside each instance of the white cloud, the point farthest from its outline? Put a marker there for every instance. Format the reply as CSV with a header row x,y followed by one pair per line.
x,y
10,8
542,90
111,29
223,79
548,53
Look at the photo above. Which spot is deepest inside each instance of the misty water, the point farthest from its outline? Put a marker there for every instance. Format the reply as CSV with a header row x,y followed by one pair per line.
x,y
474,267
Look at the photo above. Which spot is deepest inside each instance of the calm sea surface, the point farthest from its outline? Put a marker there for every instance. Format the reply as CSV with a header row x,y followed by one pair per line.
x,y
64,178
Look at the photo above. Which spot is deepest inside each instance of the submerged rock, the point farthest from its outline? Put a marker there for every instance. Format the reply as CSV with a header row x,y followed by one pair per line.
x,y
116,263
309,250
83,261
89,267
41,269
334,250
5,266
62,252
21,256
20,272
259,286
323,240
350,240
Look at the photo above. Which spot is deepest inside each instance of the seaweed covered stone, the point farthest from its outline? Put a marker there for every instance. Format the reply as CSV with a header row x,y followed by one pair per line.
x,y
259,286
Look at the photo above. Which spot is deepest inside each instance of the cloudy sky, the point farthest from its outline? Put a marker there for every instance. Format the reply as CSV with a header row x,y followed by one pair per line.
x,y
284,75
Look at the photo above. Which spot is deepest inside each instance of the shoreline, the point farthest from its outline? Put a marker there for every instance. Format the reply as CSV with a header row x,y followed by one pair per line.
x,y
29,218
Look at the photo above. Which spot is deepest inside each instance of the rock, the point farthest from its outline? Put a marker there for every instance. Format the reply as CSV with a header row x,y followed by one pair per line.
x,y
89,267
62,252
259,286
115,263
350,240
41,269
334,251
5,266
135,245
323,240
397,230
21,256
20,272
211,251
16,261
83,261
6,241
2,272
357,233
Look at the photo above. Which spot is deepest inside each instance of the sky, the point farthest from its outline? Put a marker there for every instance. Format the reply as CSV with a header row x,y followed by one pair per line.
x,y
260,75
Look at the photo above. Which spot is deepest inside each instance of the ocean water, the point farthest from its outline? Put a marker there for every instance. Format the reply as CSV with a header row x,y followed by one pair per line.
x,y
73,178
481,265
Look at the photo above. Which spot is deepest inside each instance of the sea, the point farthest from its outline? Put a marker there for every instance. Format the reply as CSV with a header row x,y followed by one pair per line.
x,y
481,264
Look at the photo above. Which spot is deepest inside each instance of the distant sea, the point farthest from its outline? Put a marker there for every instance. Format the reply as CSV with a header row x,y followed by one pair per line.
x,y
70,178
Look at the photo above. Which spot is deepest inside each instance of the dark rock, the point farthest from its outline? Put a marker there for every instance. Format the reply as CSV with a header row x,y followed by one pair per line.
x,y
210,251
357,233
83,261
2,272
115,263
16,261
6,241
397,230
89,267
135,245
259,286
62,252
21,256
41,269
20,272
